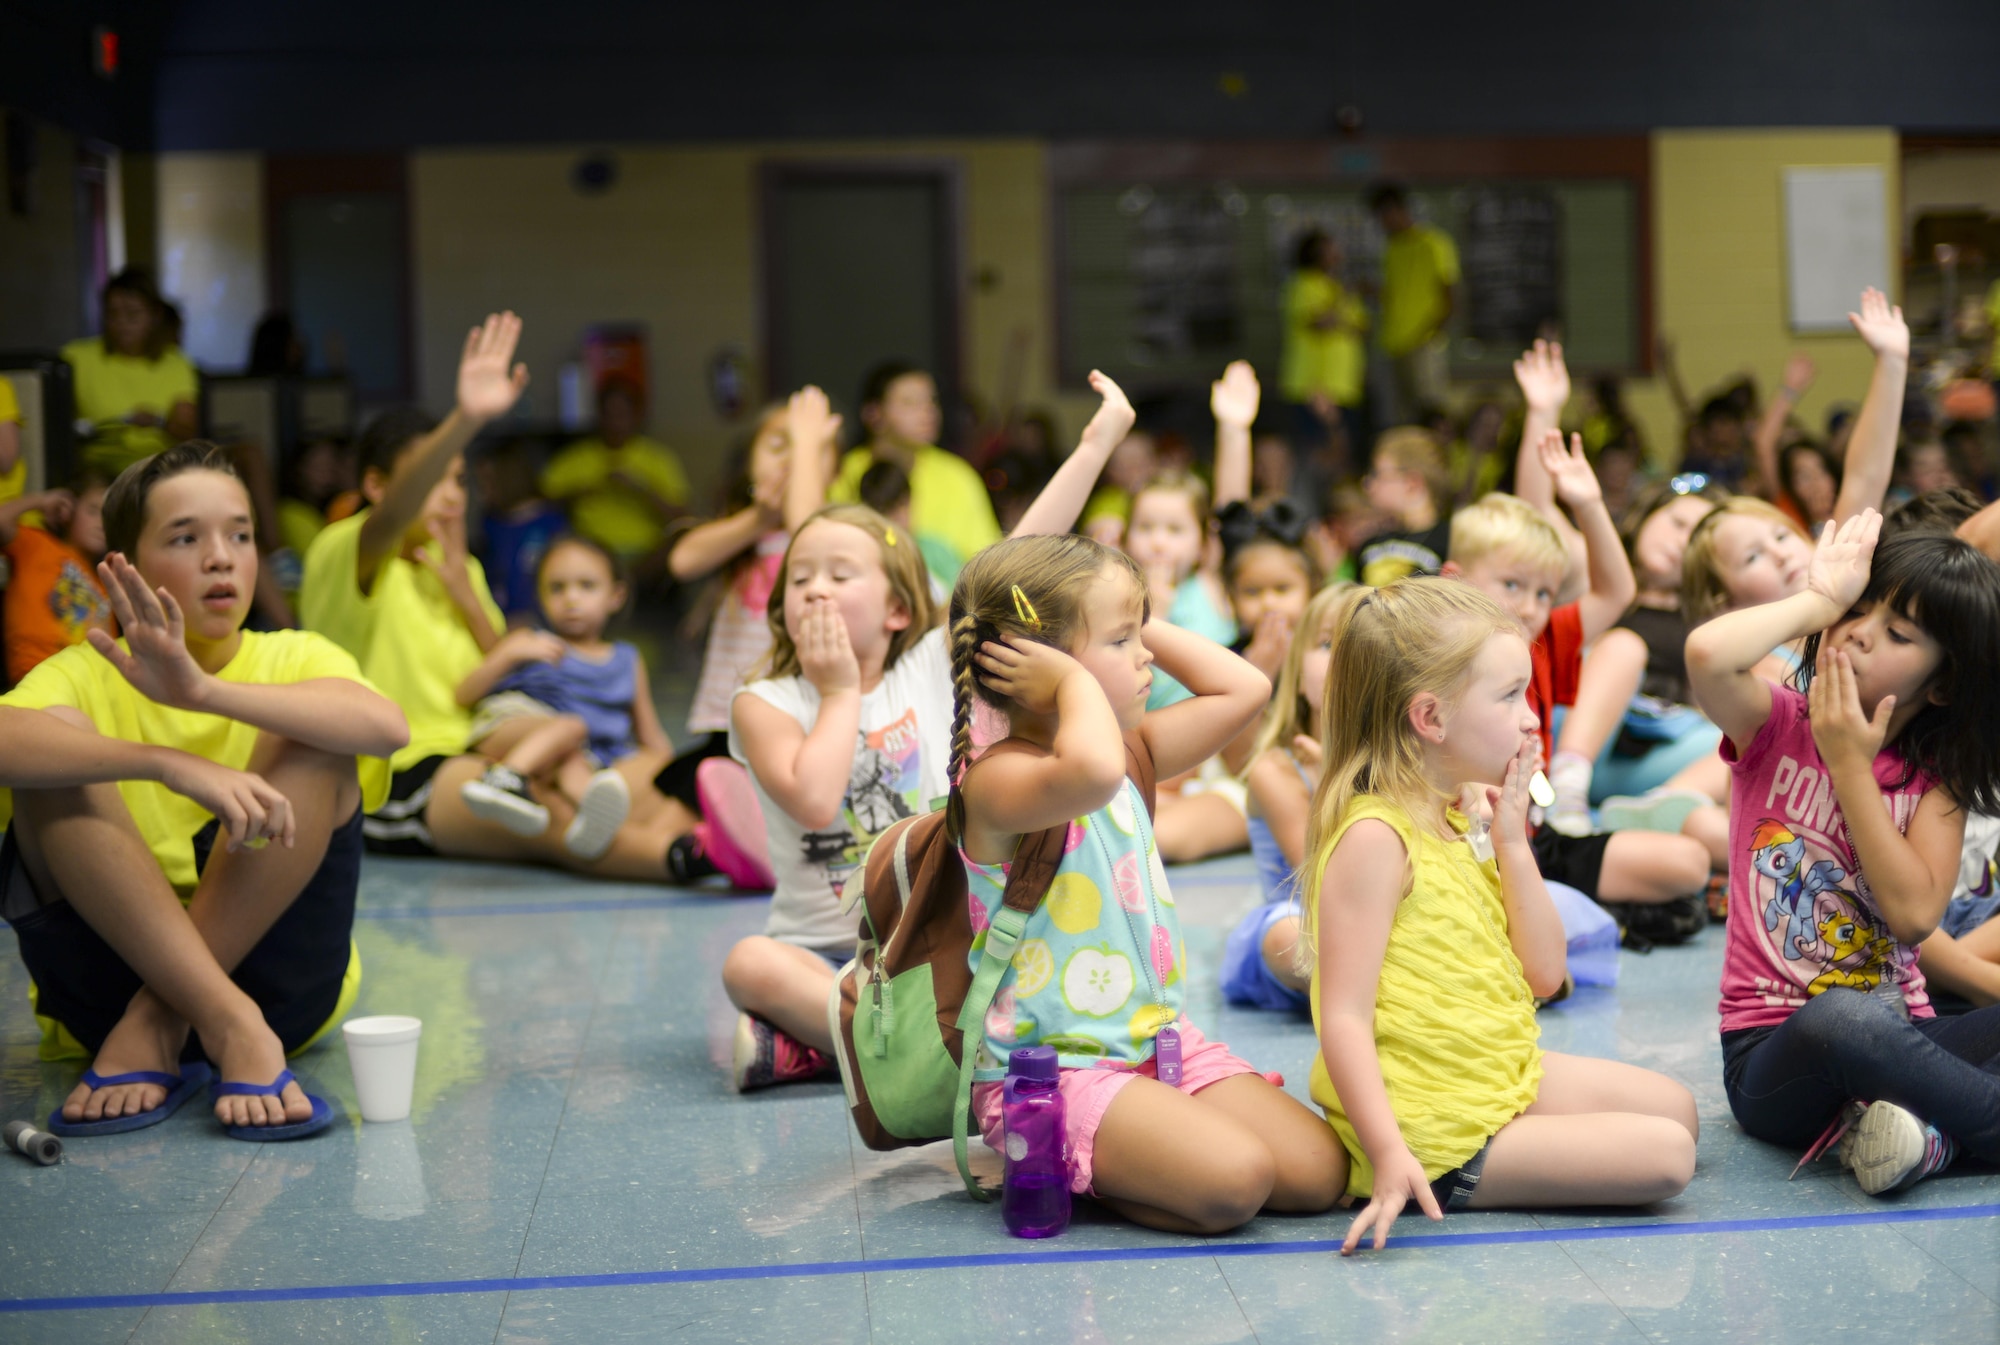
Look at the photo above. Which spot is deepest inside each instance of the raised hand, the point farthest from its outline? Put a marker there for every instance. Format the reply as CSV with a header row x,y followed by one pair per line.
x,y
1399,1178
1881,324
1800,371
1576,485
1842,729
1234,397
156,660
252,812
1027,672
826,659
810,420
1841,561
1115,416
487,387
1543,377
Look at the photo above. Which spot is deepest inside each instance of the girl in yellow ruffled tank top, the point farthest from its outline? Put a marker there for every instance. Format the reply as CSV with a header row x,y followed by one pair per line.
x,y
1429,935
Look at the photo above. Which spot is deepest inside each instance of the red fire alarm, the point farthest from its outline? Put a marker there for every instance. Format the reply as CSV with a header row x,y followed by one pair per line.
x,y
104,52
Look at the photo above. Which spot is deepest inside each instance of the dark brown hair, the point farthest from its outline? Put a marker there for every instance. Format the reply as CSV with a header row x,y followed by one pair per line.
x,y
125,499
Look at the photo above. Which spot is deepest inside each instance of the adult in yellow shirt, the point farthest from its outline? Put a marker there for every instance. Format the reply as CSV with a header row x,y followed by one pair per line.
x,y
13,463
950,507
133,385
149,776
1324,370
1419,292
621,488
393,585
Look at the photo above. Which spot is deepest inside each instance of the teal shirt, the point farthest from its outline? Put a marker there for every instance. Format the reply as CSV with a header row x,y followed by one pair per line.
x,y
1101,965
1193,610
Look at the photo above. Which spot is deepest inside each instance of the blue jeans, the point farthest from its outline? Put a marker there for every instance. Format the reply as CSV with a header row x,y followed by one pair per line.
x,y
1786,1083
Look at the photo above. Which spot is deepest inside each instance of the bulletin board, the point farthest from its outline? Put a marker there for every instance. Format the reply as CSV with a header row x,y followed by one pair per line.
x,y
1836,242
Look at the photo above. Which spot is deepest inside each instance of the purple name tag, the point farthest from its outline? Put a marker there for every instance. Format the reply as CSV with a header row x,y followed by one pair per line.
x,y
1167,1056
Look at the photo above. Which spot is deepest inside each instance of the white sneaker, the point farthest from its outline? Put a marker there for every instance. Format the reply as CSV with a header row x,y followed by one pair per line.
x,y
1889,1149
605,804
501,796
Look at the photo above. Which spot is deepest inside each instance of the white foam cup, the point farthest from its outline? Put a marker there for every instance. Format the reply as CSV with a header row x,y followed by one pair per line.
x,y
383,1053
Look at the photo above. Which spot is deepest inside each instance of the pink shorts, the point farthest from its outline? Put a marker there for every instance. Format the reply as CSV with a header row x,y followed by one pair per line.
x,y
1087,1094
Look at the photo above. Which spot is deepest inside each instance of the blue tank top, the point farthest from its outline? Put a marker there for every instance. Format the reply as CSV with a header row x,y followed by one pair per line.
x,y
600,694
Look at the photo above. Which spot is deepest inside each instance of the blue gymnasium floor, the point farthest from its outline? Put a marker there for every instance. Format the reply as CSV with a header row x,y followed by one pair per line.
x,y
577,1169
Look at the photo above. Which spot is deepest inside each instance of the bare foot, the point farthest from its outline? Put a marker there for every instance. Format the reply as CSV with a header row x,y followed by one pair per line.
x,y
251,1053
148,1037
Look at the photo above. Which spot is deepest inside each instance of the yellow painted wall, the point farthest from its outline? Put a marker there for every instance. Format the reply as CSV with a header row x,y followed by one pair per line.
x,y
1719,263
674,244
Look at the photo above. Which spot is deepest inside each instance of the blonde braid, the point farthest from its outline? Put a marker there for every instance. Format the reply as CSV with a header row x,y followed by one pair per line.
x,y
964,644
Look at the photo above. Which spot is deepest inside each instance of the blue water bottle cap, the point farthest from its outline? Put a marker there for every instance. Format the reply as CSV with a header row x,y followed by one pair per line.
x,y
1033,1062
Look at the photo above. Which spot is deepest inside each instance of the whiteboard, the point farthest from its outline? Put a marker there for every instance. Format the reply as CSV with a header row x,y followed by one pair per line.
x,y
1836,242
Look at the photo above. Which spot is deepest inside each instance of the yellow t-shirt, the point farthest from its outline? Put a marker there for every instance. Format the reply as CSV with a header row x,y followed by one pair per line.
x,y
949,502
83,679
1992,325
1455,1022
298,524
406,633
1327,360
1417,266
619,518
15,479
110,387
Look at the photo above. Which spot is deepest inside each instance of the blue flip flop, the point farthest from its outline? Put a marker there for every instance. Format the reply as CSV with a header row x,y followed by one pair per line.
x,y
180,1087
321,1118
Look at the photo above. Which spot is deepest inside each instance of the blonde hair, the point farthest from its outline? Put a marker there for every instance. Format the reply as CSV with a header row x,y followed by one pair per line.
x,y
1704,587
1050,573
1506,524
909,584
1411,448
1177,482
1418,634
1289,714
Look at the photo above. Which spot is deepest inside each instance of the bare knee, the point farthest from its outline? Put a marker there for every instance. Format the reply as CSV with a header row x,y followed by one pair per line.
x,y
1665,1163
1281,944
295,766
1232,1188
756,971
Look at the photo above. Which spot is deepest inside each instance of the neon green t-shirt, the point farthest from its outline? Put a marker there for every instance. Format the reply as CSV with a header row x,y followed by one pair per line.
x,y
406,633
83,679
610,513
1328,360
15,479
1418,265
949,502
110,387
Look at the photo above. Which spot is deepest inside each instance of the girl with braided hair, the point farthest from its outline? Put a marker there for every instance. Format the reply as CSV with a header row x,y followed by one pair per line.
x,y
845,734
1167,1128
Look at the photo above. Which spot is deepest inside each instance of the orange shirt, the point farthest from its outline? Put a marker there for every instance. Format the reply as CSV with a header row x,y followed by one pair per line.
x,y
51,601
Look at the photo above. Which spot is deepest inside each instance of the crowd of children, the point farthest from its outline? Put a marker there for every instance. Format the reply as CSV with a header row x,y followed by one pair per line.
x,y
1451,724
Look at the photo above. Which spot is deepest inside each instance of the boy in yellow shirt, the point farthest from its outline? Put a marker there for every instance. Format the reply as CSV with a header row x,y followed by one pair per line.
x,y
620,487
950,506
395,587
149,775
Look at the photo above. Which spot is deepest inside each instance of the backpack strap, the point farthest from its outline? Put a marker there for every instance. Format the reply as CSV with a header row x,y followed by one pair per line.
x,y
1029,874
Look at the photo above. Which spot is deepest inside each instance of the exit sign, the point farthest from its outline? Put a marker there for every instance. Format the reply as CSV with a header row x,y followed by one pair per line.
x,y
104,52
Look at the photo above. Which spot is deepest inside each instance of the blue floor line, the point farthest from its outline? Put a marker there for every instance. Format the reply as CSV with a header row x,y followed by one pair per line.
x,y
986,1260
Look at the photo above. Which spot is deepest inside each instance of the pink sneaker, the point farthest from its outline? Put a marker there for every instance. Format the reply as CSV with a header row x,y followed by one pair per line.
x,y
732,827
766,1056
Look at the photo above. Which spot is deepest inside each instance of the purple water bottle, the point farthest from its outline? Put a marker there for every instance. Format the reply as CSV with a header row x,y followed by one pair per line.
x,y
1034,1198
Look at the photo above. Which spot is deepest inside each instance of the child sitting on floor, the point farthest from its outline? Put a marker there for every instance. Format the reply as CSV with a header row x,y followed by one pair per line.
x,y
1166,1127
561,708
847,734
52,599
1431,934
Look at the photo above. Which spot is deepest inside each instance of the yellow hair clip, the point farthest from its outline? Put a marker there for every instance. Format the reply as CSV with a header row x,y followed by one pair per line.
x,y
889,535
1025,609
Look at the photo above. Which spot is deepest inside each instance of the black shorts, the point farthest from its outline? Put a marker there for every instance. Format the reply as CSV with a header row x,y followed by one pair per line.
x,y
294,973
398,826
1575,860
676,778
